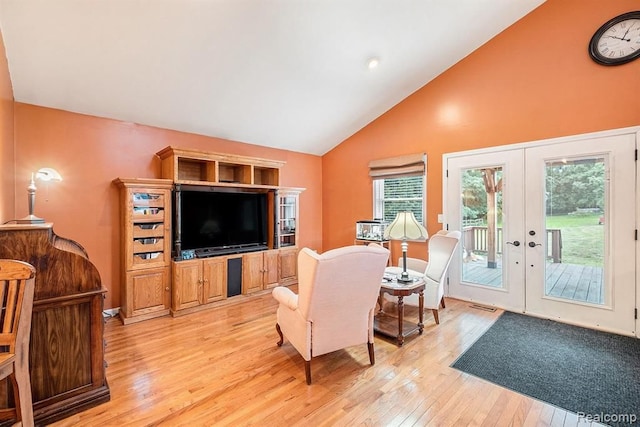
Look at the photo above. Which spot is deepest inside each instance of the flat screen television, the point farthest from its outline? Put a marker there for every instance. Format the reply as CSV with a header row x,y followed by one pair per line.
x,y
216,222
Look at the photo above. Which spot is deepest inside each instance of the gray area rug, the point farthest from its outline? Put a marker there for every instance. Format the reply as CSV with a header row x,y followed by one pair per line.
x,y
580,370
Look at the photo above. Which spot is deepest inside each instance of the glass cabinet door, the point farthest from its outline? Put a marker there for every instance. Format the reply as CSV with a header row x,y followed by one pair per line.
x,y
287,218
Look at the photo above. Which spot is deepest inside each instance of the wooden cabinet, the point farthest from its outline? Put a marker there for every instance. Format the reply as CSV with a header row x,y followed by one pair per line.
x,y
66,348
287,219
187,284
288,266
271,274
146,248
146,293
197,282
153,284
287,201
252,272
202,167
259,271
214,272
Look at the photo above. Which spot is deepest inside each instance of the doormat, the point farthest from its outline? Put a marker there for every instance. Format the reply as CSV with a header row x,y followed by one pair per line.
x,y
591,373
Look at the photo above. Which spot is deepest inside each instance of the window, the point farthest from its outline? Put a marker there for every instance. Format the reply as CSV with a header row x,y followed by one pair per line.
x,y
398,185
393,195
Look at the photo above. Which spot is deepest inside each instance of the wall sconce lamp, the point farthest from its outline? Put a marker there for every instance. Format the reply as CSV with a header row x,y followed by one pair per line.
x,y
43,174
405,227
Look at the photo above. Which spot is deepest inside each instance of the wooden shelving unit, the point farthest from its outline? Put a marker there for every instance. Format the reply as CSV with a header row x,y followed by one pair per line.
x,y
185,166
146,248
154,284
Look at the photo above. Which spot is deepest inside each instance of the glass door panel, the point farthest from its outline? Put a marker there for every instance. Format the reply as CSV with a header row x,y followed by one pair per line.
x,y
575,217
482,226
287,218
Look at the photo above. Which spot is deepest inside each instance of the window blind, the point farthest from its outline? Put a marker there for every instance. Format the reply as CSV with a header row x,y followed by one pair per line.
x,y
398,167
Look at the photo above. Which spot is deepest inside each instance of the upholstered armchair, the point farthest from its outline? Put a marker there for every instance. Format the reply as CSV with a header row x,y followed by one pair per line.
x,y
442,246
336,301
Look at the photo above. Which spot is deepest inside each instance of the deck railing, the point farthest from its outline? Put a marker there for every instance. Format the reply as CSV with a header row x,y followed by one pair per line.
x,y
474,239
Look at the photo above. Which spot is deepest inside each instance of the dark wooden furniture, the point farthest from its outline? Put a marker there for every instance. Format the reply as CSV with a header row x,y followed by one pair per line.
x,y
396,326
66,352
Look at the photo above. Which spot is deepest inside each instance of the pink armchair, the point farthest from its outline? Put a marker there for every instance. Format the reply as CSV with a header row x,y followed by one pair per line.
x,y
336,303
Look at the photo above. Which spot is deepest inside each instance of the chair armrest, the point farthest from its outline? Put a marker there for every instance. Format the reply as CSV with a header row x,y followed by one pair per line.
x,y
286,297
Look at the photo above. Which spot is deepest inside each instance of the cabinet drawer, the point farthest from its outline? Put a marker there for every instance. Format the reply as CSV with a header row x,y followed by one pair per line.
x,y
148,258
148,199
148,214
148,230
148,244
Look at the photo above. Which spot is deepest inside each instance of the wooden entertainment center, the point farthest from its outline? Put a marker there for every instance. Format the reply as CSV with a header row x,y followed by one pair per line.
x,y
159,278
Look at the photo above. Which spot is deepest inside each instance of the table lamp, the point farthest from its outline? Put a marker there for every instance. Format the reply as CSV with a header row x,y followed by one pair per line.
x,y
405,227
43,174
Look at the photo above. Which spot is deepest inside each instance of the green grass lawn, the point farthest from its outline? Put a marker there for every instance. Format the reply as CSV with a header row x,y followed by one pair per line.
x,y
562,221
582,238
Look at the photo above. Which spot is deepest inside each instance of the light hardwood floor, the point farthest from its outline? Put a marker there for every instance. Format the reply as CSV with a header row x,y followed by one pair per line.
x,y
222,367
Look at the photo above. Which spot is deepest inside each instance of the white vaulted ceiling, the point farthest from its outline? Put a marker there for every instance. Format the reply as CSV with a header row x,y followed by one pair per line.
x,y
289,74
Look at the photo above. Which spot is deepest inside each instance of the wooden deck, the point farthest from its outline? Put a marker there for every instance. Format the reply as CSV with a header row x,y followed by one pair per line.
x,y
569,281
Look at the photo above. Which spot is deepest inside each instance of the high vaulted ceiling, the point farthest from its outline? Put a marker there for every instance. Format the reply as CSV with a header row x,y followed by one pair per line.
x,y
289,74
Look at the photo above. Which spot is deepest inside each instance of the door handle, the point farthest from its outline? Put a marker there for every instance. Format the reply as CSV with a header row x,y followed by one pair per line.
x,y
514,243
534,244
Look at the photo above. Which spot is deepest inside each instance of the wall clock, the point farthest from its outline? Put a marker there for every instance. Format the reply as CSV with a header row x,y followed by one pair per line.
x,y
617,41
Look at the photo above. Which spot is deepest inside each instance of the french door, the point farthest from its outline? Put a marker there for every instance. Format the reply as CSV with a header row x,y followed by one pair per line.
x,y
485,200
548,229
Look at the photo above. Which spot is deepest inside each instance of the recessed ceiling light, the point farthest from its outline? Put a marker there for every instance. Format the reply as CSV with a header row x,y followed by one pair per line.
x,y
373,63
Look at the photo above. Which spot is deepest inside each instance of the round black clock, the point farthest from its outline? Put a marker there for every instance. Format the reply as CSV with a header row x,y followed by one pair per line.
x,y
617,41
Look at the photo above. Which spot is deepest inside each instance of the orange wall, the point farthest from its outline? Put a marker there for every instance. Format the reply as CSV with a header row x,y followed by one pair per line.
x,y
89,152
533,81
7,177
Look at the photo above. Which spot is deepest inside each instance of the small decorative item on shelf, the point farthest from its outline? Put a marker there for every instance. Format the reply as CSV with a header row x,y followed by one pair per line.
x,y
371,230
